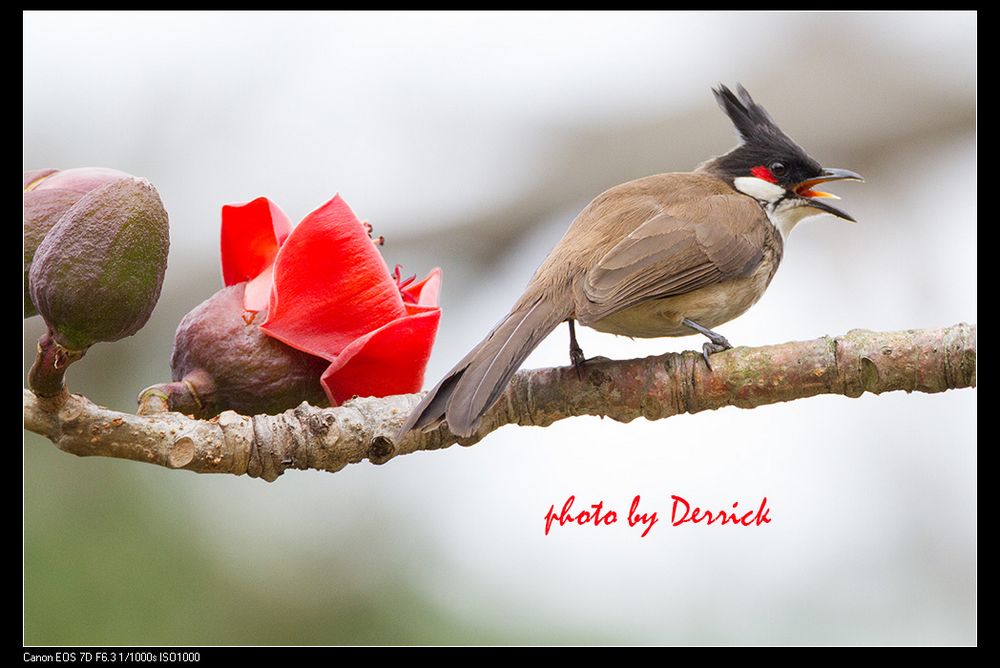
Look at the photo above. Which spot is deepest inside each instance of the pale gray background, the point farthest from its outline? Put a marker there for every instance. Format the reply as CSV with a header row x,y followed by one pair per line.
x,y
470,141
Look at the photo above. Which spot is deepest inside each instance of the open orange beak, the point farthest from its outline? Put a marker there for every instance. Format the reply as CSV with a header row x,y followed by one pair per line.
x,y
805,189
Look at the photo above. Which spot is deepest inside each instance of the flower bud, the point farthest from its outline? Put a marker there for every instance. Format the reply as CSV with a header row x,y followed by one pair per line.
x,y
96,275
223,358
48,194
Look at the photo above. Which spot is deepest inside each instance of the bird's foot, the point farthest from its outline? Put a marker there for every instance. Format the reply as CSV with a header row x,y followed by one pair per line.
x,y
577,359
712,347
717,344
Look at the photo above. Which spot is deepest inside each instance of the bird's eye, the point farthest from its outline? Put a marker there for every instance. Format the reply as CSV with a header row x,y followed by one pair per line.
x,y
777,168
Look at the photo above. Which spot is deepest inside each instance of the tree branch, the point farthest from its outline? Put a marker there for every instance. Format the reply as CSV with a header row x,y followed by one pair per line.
x,y
327,439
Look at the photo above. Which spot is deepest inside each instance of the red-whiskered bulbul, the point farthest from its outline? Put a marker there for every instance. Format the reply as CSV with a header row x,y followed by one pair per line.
x,y
665,255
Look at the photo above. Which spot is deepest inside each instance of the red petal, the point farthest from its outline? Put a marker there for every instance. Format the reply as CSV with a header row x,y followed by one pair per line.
x,y
331,285
251,235
427,291
390,360
258,290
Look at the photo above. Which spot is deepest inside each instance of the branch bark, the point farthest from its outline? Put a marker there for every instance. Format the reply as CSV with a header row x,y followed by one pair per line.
x,y
328,439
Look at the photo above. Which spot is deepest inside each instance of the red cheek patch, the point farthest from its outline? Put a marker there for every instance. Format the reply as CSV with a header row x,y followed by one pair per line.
x,y
762,172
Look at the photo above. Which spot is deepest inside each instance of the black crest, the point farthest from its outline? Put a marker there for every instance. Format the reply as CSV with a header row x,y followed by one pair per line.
x,y
763,142
751,120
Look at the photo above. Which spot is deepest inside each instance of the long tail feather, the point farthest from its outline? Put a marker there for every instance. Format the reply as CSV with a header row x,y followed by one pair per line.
x,y
469,390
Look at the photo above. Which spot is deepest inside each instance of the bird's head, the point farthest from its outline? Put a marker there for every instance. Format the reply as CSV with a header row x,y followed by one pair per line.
x,y
770,167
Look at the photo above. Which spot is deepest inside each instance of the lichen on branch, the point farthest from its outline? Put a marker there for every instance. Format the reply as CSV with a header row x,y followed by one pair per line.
x,y
328,439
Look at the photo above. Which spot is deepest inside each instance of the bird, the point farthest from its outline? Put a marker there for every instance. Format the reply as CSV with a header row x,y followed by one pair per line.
x,y
672,254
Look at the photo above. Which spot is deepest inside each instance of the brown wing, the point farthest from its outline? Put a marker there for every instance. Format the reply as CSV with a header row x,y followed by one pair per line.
x,y
718,238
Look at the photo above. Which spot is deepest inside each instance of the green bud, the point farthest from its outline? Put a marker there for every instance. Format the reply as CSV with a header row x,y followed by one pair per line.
x,y
96,275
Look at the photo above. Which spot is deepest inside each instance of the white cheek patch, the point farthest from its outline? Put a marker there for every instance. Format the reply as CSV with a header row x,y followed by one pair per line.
x,y
759,189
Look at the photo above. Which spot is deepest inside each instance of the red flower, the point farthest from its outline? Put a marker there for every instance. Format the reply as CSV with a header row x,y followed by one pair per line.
x,y
329,293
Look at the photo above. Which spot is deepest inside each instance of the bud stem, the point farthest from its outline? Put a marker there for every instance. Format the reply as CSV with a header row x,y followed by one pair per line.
x,y
46,375
186,396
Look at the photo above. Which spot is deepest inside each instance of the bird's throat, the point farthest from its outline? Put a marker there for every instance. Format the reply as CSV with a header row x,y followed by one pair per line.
x,y
783,211
786,214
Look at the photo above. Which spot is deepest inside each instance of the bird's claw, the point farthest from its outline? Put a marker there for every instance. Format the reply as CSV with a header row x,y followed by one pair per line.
x,y
712,347
577,359
720,341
